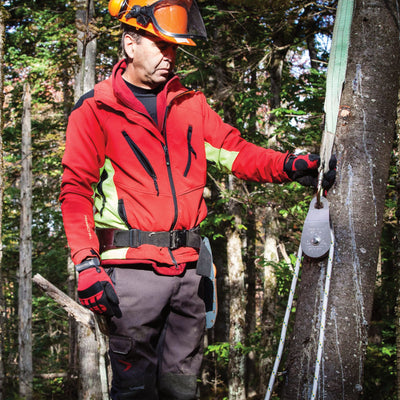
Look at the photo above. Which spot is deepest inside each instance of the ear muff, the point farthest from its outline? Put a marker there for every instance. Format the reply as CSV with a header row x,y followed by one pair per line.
x,y
116,7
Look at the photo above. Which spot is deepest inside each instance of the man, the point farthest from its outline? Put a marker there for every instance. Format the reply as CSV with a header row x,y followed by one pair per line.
x,y
136,153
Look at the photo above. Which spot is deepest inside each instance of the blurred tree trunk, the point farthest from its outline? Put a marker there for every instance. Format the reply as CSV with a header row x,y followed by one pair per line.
x,y
2,308
236,273
269,299
25,255
363,145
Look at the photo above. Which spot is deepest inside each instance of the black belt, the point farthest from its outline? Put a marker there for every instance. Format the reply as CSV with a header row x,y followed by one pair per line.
x,y
114,238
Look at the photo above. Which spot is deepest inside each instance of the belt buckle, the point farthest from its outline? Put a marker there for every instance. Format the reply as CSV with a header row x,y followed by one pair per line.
x,y
177,239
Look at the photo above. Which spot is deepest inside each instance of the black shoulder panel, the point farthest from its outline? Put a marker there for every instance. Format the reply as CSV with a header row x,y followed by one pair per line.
x,y
87,95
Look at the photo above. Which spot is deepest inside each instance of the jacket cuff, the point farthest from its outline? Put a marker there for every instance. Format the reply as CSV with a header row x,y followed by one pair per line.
x,y
80,255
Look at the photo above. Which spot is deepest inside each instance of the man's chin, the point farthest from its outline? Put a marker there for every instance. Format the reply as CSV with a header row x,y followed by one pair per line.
x,y
160,79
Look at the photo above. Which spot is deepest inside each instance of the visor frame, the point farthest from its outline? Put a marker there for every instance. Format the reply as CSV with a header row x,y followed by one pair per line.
x,y
144,14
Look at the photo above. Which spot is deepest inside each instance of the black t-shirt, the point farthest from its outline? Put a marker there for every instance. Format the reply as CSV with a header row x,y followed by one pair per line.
x,y
148,97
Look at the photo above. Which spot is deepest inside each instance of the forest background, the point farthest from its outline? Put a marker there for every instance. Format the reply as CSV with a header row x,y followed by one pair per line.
x,y
263,69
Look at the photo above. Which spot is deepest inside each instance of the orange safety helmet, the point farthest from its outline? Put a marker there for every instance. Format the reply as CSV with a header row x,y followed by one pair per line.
x,y
175,21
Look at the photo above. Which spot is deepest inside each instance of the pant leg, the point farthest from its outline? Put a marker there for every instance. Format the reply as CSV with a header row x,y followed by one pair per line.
x,y
182,349
144,298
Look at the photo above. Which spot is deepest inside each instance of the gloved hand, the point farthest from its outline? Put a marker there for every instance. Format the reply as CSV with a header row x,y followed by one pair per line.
x,y
304,169
95,289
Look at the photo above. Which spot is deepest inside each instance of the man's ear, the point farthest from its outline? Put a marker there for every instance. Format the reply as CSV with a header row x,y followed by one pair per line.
x,y
129,44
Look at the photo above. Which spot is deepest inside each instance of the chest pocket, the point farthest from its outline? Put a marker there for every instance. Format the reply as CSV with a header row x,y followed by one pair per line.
x,y
144,161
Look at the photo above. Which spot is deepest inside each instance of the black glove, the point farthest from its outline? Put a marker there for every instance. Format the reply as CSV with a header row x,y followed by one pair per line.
x,y
304,169
95,289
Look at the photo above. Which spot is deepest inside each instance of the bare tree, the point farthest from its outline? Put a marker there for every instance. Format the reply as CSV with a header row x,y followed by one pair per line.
x,y
86,47
237,297
25,256
363,145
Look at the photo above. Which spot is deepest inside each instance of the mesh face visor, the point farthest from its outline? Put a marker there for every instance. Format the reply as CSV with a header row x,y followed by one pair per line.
x,y
175,18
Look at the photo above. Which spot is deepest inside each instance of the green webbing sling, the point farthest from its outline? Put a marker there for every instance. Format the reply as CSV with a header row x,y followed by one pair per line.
x,y
336,75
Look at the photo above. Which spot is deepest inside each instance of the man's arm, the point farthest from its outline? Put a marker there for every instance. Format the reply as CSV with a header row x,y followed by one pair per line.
x,y
82,160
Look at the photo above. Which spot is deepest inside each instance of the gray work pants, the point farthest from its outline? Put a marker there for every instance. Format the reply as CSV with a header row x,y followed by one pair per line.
x,y
156,347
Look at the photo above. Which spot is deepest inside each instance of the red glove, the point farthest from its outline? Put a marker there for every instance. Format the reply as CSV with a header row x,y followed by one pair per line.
x,y
95,289
304,169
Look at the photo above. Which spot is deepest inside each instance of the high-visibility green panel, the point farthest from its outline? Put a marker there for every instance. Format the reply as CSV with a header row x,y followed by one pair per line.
x,y
106,203
224,159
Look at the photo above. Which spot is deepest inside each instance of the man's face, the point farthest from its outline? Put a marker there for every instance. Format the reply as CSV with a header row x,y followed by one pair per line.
x,y
152,61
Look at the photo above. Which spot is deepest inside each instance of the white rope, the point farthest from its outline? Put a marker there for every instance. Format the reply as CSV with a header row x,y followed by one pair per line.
x,y
285,325
323,316
287,315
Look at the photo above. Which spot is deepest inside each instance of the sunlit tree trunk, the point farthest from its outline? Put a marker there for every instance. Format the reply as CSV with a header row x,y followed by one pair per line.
x,y
2,310
86,47
270,228
236,273
363,146
25,256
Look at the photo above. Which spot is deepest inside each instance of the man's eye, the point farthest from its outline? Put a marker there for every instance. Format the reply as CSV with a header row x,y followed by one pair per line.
x,y
166,46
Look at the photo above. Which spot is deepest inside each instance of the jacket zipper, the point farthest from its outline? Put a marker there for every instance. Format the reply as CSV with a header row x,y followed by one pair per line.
x,y
144,161
190,150
167,159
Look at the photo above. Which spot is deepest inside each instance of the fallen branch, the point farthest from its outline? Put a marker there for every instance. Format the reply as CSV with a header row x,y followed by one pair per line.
x,y
285,256
79,313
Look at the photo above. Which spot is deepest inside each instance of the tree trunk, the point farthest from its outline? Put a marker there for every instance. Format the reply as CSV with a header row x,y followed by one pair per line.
x,y
90,381
86,48
2,308
269,293
251,291
363,144
236,273
25,256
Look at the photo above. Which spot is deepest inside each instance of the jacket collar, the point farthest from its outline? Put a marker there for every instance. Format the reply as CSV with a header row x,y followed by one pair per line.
x,y
115,93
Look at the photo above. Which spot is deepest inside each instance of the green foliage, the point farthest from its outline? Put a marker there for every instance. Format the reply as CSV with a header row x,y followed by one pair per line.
x,y
220,350
380,365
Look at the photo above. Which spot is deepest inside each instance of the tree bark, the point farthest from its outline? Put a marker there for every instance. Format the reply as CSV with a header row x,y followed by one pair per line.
x,y
236,273
363,144
86,48
91,384
269,293
25,256
2,308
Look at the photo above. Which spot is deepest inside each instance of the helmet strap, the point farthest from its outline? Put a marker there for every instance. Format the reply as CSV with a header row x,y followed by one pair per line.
x,y
142,14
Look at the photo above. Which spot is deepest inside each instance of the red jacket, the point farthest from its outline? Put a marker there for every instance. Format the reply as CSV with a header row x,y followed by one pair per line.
x,y
135,174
